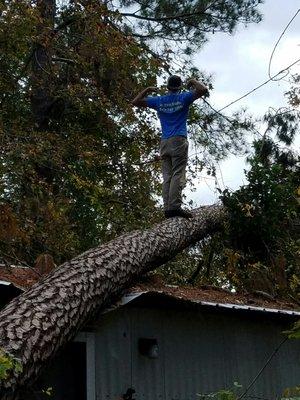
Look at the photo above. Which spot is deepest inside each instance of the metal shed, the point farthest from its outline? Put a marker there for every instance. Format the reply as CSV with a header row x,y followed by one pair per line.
x,y
167,348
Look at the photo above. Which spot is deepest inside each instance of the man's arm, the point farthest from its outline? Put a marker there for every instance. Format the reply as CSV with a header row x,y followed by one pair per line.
x,y
140,99
200,89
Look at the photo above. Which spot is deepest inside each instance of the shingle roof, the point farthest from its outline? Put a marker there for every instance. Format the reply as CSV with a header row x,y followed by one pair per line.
x,y
218,296
24,278
21,277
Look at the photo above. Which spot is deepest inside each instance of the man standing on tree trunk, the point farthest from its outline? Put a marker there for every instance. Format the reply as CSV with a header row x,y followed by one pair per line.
x,y
172,110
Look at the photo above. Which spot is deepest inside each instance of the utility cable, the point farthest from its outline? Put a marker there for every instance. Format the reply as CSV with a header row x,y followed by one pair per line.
x,y
231,121
274,49
259,86
262,369
218,112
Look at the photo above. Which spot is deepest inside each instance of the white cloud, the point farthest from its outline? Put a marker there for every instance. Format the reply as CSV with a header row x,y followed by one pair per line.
x,y
239,64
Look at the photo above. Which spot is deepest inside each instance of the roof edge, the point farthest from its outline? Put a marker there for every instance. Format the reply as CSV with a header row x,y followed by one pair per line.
x,y
128,298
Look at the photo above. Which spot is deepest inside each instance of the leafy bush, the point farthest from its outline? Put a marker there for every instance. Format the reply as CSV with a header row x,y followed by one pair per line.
x,y
262,238
8,364
223,394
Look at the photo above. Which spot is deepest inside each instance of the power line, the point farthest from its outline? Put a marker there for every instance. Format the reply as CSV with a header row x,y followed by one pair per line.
x,y
262,369
218,112
254,130
259,86
274,49
271,78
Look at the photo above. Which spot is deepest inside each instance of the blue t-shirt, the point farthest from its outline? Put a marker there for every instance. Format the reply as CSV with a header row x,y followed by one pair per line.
x,y
172,110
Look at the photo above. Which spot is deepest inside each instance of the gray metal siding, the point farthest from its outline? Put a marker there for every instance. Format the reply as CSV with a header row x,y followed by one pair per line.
x,y
113,356
198,353
214,351
195,362
147,374
289,363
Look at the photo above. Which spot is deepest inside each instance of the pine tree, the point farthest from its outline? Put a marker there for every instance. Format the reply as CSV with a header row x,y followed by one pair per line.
x,y
35,325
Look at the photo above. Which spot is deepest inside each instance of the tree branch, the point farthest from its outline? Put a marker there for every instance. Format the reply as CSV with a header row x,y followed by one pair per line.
x,y
63,60
177,16
161,19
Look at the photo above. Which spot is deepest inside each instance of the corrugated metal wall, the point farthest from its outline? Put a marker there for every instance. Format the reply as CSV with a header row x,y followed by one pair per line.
x,y
113,356
198,353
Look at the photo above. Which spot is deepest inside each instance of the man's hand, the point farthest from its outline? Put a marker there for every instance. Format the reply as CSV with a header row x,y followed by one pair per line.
x,y
139,100
190,83
200,89
152,89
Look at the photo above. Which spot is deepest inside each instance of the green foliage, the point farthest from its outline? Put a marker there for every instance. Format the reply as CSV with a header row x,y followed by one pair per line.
x,y
232,394
263,240
77,164
202,264
291,393
84,178
294,333
294,93
223,394
8,365
48,391
192,19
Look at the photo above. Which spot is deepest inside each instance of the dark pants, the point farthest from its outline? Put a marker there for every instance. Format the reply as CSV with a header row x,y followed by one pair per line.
x,y
174,155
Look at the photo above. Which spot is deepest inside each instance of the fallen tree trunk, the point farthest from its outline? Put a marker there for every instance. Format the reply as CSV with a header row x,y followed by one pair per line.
x,y
36,324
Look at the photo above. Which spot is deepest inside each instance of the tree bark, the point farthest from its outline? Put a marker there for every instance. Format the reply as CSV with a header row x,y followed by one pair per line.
x,y
36,324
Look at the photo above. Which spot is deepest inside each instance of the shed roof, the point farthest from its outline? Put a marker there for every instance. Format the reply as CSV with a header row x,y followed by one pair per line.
x,y
161,299
19,276
217,295
153,294
205,295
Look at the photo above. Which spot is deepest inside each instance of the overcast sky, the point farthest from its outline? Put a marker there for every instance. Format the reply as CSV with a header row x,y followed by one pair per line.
x,y
239,63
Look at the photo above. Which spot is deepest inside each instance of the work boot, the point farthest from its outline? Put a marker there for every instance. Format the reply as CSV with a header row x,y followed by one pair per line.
x,y
178,213
168,214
